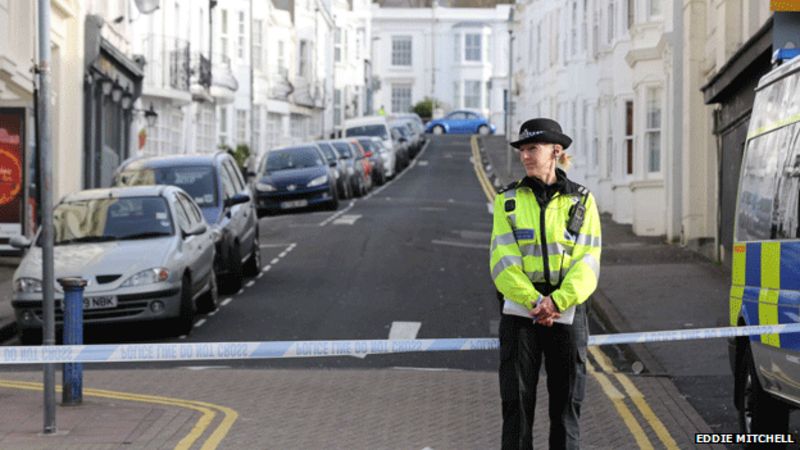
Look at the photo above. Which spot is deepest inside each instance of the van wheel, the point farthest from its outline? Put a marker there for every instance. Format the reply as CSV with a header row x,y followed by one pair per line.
x,y
186,315
759,411
208,302
438,129
31,336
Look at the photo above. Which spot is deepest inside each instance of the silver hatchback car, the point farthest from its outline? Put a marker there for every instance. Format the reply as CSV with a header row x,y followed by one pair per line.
x,y
146,253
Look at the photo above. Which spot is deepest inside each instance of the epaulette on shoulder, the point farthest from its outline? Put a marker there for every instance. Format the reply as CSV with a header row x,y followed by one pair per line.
x,y
582,189
508,187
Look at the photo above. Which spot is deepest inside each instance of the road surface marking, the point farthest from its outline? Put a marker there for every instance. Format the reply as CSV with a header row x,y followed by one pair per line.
x,y
336,216
260,275
226,301
250,283
200,323
404,330
283,253
274,261
347,219
432,208
213,313
266,268
618,400
240,292
423,163
208,411
637,398
273,245
461,244
490,208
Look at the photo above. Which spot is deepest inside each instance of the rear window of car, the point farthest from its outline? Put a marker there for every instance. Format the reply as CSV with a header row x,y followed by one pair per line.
x,y
200,182
368,144
293,158
327,150
343,149
111,219
368,130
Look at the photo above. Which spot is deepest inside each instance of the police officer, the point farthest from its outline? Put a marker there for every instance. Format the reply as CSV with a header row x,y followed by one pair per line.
x,y
545,257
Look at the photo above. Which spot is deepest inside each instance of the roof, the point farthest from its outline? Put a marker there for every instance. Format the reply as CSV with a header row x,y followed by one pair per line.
x,y
366,120
120,192
196,159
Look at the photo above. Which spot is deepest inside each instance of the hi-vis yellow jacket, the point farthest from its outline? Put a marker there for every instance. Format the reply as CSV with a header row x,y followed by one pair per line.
x,y
532,252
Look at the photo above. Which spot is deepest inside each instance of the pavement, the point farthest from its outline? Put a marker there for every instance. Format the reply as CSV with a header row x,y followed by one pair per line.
x,y
205,406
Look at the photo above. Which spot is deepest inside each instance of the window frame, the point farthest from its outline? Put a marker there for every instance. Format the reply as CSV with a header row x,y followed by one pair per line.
x,y
399,56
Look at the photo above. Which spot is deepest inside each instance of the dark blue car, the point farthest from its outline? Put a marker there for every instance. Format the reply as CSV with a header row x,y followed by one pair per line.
x,y
295,177
460,122
215,183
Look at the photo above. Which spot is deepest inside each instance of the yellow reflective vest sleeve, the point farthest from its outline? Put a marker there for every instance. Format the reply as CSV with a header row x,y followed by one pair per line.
x,y
580,281
505,261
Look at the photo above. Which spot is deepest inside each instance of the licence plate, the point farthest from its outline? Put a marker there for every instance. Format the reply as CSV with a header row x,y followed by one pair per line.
x,y
103,302
294,204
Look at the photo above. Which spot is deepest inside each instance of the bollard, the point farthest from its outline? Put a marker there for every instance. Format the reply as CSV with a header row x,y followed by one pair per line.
x,y
72,393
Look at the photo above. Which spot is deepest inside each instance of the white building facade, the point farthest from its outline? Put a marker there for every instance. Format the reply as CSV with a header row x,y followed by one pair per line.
x,y
457,56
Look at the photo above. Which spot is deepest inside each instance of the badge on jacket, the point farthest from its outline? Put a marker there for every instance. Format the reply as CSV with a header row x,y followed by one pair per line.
x,y
510,205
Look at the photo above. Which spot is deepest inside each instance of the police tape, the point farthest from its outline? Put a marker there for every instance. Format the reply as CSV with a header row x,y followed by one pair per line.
x,y
205,351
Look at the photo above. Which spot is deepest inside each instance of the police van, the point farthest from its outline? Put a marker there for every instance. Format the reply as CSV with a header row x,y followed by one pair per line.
x,y
765,287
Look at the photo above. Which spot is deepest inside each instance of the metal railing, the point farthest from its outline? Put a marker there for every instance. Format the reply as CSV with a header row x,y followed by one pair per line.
x,y
167,62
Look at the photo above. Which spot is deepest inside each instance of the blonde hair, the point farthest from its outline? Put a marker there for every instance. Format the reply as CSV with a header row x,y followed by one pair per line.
x,y
565,160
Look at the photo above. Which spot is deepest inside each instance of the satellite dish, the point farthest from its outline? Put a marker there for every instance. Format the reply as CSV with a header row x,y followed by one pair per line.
x,y
147,6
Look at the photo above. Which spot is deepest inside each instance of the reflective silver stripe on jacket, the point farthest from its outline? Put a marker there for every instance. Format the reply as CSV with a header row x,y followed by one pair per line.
x,y
583,239
538,277
592,262
553,249
504,263
503,239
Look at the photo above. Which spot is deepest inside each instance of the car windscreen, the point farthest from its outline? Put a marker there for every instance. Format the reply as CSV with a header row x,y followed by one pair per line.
x,y
293,158
330,155
368,144
343,149
198,181
368,130
111,219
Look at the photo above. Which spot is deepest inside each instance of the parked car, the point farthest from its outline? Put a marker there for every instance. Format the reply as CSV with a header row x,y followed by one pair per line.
x,y
295,177
412,140
417,125
375,152
145,252
461,122
376,126
356,171
361,155
401,146
343,187
216,184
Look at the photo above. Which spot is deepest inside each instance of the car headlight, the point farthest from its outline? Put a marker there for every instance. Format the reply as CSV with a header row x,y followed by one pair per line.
x,y
149,276
318,181
27,285
265,187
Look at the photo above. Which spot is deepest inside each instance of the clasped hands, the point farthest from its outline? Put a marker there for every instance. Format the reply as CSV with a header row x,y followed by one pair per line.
x,y
545,312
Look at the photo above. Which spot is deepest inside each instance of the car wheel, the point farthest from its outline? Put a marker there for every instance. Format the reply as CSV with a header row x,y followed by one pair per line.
x,y
253,265
208,302
483,130
233,279
759,412
186,315
30,337
333,205
438,129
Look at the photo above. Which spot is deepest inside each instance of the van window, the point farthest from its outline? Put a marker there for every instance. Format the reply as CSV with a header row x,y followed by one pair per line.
x,y
368,130
786,223
764,160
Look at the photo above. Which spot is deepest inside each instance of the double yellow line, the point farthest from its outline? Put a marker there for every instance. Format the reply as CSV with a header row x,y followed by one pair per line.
x,y
617,398
208,411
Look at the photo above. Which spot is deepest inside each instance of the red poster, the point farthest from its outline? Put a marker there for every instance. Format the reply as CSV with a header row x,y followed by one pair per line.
x,y
11,148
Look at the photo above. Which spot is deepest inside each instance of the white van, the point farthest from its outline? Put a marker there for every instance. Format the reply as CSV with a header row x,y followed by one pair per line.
x,y
765,285
373,126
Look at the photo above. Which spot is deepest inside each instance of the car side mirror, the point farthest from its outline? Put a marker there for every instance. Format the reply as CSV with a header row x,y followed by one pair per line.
x,y
333,164
236,200
402,139
19,241
197,230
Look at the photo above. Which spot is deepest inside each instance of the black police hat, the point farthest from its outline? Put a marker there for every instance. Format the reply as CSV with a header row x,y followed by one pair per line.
x,y
541,130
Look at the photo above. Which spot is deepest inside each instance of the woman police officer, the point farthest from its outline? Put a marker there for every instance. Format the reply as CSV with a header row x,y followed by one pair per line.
x,y
545,257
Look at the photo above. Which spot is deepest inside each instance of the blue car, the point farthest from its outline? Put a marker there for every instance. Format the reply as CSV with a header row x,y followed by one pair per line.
x,y
461,122
295,177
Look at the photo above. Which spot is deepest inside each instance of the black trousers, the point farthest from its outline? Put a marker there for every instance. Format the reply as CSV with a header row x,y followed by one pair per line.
x,y
523,348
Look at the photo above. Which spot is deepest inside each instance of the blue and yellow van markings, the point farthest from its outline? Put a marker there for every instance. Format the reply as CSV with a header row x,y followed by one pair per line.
x,y
752,267
790,266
